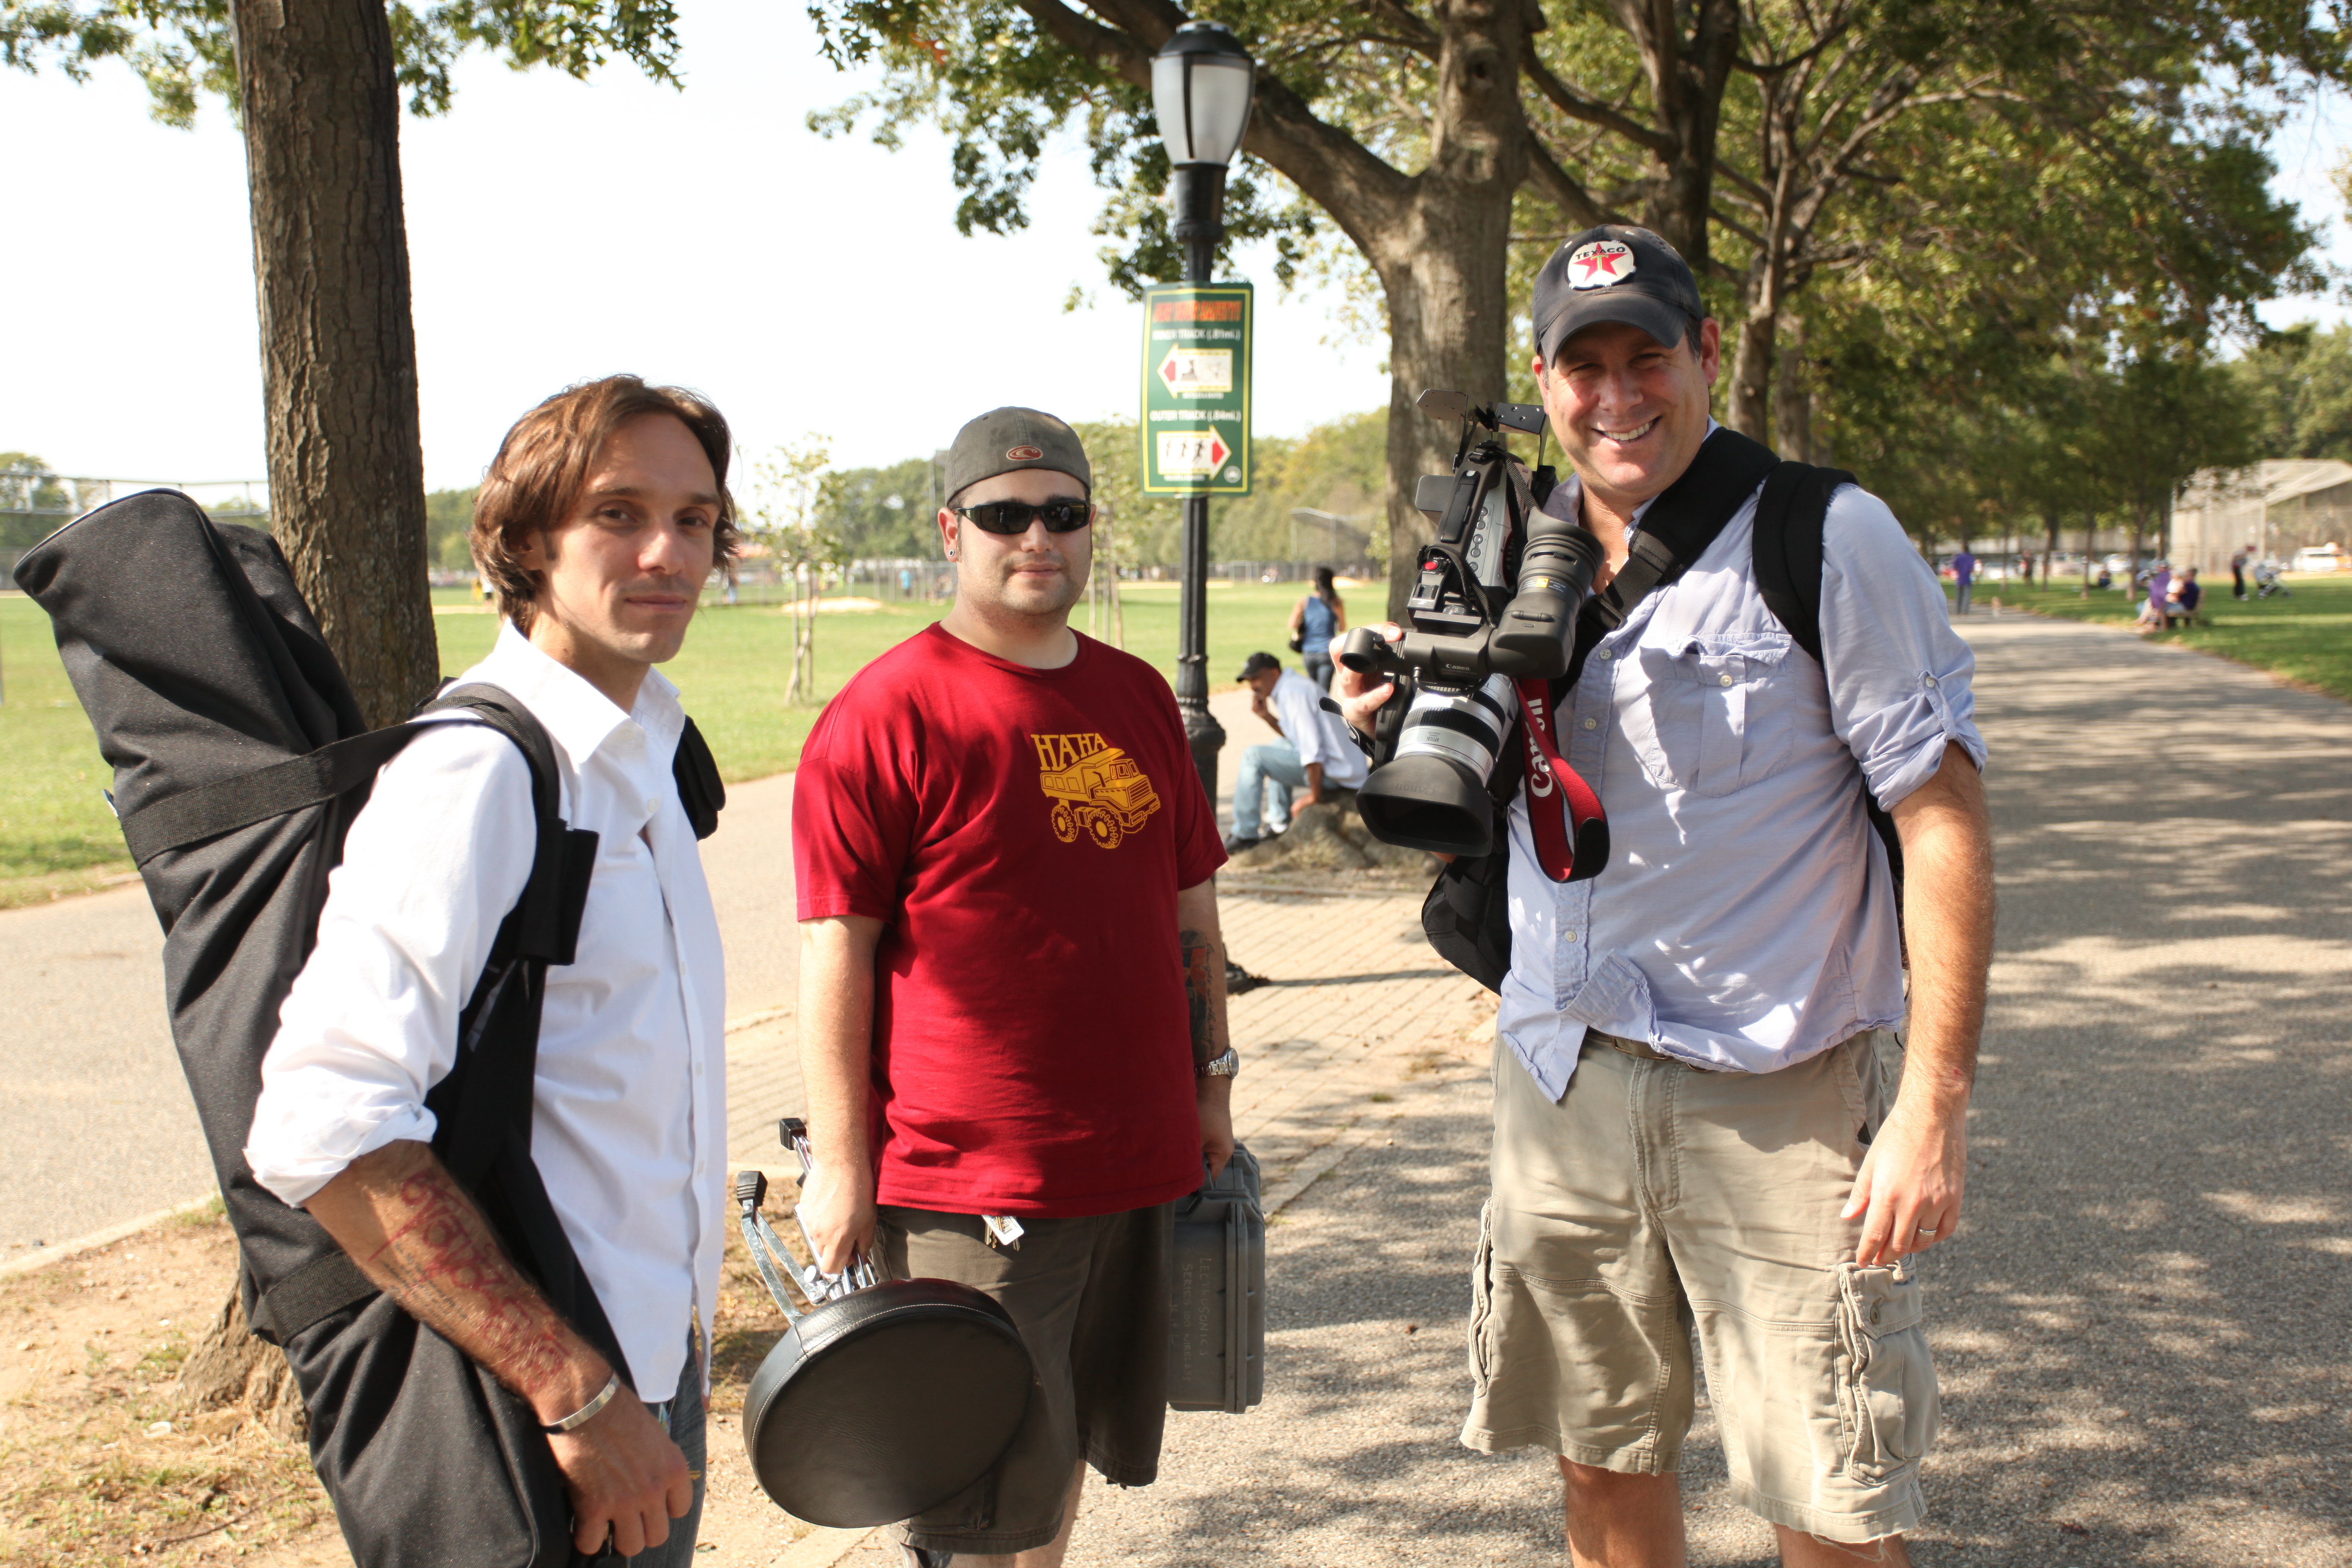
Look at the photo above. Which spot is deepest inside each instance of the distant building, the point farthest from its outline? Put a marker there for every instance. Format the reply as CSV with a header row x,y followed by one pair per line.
x,y
2277,507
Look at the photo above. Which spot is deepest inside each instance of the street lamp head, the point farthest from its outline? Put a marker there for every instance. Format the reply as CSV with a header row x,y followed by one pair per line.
x,y
1202,84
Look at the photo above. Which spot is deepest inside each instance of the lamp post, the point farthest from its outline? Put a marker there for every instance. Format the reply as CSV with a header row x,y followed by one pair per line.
x,y
1202,84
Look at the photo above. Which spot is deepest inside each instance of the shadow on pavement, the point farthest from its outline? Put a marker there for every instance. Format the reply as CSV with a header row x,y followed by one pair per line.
x,y
2142,1329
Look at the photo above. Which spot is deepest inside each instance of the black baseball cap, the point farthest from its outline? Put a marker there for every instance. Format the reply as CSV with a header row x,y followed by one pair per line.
x,y
1615,273
1003,439
1256,664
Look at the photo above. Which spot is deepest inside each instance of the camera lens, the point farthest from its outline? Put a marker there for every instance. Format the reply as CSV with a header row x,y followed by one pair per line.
x,y
1433,795
1536,633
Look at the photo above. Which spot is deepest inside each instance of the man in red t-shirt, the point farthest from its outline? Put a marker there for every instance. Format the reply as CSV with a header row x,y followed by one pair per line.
x,y
1013,1002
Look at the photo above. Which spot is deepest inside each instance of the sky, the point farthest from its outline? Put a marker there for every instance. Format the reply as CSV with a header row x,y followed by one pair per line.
x,y
560,230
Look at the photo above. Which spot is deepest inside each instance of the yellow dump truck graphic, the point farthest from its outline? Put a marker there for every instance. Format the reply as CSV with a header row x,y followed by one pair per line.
x,y
1097,789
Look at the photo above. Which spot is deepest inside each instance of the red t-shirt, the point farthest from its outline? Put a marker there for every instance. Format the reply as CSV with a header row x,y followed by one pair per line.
x,y
1023,833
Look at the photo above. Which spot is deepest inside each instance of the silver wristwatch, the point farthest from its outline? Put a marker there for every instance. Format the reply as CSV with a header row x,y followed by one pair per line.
x,y
1226,1066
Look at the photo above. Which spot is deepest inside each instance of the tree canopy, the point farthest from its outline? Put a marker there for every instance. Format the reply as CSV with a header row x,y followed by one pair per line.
x,y
1958,190
184,49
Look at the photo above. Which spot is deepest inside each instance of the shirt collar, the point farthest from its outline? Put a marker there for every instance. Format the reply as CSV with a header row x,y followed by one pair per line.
x,y
578,717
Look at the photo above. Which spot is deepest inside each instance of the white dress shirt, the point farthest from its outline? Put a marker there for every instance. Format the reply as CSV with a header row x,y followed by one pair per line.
x,y
1317,736
1746,920
629,1124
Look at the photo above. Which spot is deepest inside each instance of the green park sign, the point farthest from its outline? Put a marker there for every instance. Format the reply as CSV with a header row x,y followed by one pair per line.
x,y
1196,389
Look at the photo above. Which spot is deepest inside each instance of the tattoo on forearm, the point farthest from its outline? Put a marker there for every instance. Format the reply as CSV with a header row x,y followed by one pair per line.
x,y
441,1262
1200,953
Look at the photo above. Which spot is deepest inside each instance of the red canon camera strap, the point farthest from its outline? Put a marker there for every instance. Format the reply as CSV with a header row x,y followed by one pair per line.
x,y
1579,824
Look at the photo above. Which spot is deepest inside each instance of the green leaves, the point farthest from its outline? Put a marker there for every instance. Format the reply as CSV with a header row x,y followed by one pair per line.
x,y
183,48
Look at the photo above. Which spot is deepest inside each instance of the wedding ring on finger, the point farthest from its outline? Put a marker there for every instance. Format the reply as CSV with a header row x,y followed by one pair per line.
x,y
1929,1235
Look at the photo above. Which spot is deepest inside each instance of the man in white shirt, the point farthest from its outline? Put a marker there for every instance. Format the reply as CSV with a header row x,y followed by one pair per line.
x,y
1313,753
602,515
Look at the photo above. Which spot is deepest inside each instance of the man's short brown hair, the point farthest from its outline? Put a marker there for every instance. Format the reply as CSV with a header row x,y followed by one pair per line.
x,y
544,463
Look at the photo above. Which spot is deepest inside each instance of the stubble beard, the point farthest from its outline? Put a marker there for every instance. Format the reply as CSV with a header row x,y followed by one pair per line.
x,y
1036,597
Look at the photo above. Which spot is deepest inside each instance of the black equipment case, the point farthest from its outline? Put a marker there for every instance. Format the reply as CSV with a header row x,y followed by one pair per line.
x,y
1216,1316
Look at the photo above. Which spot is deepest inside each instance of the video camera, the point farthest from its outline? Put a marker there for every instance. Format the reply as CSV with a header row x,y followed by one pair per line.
x,y
1496,599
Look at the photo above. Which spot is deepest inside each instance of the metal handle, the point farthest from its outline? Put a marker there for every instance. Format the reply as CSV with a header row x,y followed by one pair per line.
x,y
761,1240
814,1282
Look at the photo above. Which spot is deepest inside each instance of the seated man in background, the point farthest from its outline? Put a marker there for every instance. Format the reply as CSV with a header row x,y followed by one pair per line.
x,y
1314,751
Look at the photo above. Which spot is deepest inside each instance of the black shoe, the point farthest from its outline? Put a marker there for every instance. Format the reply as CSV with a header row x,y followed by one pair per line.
x,y
927,1557
1235,843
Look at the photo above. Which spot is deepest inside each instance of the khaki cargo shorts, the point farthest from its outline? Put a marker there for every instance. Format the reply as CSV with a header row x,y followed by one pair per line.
x,y
1653,1198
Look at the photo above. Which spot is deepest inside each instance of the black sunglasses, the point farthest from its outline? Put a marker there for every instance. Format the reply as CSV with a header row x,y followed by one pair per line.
x,y
1013,516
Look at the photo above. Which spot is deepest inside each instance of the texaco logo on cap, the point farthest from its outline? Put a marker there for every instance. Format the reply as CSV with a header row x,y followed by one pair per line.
x,y
1600,264
1022,454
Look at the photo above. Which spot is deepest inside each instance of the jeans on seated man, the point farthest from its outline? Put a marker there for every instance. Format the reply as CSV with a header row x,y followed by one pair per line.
x,y
1313,753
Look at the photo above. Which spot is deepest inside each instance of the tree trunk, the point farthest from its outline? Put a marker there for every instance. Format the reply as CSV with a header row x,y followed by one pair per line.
x,y
321,114
229,1367
1441,264
1747,409
1687,81
1792,395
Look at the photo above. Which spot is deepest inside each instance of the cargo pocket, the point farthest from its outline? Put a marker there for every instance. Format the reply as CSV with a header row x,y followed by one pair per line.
x,y
1886,1385
1481,1296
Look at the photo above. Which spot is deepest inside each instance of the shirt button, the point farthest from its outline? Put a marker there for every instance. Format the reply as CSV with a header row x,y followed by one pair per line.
x,y
1592,723
1931,680
652,806
1606,655
1726,681
1567,936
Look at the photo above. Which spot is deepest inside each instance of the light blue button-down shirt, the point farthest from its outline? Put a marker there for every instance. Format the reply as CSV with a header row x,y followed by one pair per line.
x,y
1746,920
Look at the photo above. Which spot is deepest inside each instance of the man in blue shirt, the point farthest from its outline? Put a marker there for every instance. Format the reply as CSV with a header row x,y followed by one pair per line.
x,y
1964,574
1704,1113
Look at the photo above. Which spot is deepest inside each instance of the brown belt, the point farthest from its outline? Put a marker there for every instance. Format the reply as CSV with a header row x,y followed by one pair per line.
x,y
1640,1048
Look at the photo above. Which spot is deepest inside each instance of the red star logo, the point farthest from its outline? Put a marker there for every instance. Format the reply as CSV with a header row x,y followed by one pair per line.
x,y
1599,261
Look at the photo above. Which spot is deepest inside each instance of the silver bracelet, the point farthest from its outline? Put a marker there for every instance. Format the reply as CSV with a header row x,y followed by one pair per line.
x,y
581,1417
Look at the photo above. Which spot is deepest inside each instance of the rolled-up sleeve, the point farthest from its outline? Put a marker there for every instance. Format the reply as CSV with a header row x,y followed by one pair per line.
x,y
430,870
1899,676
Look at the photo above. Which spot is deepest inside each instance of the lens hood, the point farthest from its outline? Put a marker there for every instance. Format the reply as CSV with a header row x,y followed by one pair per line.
x,y
1427,801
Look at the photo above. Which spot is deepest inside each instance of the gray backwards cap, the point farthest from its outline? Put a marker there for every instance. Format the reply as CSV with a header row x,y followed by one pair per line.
x,y
1614,273
1003,439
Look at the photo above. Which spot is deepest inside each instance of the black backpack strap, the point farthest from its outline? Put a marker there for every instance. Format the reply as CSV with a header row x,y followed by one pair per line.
x,y
1683,521
176,821
700,789
545,925
1788,544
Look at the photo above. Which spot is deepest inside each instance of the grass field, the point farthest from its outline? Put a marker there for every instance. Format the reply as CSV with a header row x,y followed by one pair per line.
x,y
57,836
2305,637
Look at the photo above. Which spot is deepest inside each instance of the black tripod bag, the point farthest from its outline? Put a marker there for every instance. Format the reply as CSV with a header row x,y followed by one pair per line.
x,y
240,759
